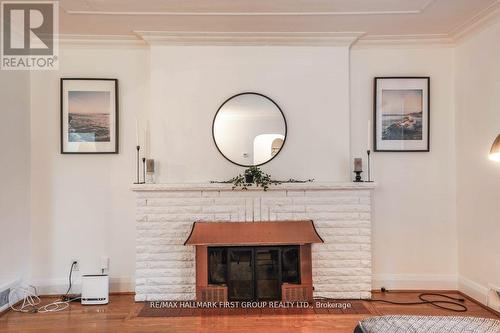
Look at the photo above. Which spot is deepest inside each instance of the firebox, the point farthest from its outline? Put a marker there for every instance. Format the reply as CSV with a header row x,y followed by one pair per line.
x,y
253,272
250,261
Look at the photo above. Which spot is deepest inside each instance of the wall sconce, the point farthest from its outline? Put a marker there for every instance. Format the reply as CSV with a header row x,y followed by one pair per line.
x,y
495,150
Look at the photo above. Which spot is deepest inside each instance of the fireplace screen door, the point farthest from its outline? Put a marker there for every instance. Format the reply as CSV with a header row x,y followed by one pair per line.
x,y
240,274
267,274
253,273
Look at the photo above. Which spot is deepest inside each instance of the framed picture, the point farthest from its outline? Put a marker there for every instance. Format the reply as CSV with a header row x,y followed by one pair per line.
x,y
89,116
402,114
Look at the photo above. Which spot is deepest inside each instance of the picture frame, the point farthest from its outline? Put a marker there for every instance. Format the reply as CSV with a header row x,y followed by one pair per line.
x,y
89,116
401,113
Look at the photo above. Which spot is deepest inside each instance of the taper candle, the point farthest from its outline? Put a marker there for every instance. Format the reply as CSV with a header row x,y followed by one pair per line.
x,y
145,142
136,132
369,136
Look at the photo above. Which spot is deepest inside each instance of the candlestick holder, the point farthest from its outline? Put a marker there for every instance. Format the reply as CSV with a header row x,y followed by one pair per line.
x,y
138,148
368,152
143,170
358,179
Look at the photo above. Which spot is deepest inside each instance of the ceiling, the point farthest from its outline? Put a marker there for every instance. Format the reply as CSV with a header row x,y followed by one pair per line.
x,y
372,18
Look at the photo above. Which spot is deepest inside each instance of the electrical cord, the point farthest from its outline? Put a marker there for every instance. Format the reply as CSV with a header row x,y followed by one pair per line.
x,y
31,300
449,303
65,297
454,304
29,297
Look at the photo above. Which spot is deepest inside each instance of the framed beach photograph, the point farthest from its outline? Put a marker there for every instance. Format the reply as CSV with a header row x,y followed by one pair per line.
x,y
89,116
402,114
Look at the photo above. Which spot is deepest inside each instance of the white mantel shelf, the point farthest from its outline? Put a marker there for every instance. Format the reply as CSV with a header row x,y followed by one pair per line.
x,y
229,187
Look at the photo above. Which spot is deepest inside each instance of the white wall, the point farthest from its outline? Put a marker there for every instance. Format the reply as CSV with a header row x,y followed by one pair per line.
x,y
414,230
310,84
14,176
82,199
478,179
82,207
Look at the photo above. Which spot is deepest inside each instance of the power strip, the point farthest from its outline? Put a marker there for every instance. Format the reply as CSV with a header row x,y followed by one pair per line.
x,y
5,291
4,297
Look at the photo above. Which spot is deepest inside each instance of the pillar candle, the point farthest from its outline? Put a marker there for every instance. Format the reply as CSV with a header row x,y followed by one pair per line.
x,y
358,164
150,165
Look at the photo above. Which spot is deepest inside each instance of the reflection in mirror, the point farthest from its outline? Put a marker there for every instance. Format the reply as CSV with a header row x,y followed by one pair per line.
x,y
249,129
276,146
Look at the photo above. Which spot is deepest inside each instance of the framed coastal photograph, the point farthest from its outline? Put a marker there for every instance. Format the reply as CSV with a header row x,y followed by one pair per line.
x,y
89,116
402,114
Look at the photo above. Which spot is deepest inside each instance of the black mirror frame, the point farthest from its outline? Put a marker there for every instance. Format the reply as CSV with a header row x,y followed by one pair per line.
x,y
249,93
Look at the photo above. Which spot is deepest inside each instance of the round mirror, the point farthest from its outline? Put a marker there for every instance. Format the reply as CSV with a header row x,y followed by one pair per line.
x,y
249,129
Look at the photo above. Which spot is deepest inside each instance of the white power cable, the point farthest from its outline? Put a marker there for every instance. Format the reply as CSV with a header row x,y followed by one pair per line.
x,y
29,297
30,300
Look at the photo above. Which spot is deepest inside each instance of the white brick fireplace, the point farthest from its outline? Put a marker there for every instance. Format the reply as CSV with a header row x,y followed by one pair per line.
x,y
341,212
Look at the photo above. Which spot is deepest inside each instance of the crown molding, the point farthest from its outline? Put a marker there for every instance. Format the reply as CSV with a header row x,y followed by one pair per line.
x,y
474,25
477,23
250,38
111,41
115,13
404,41
271,13
482,20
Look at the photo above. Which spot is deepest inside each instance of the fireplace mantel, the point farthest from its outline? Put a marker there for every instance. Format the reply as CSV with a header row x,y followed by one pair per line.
x,y
165,213
280,187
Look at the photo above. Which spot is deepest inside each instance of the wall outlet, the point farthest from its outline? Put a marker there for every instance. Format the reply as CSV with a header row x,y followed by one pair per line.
x,y
104,264
76,267
4,297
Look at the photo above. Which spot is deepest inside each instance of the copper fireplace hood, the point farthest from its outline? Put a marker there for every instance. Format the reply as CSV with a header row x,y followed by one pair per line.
x,y
253,233
208,234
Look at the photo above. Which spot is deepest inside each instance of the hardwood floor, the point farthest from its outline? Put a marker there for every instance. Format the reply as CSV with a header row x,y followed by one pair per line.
x,y
120,315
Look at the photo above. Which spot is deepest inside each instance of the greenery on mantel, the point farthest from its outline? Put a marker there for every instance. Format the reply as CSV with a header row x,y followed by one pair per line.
x,y
255,176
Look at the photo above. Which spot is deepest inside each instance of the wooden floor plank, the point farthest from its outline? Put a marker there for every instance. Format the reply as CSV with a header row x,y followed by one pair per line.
x,y
120,315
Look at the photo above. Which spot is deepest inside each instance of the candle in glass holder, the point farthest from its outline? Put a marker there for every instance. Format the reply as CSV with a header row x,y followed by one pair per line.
x,y
358,164
150,171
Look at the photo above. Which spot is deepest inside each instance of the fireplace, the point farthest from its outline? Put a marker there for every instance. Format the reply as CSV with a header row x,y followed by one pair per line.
x,y
169,268
257,261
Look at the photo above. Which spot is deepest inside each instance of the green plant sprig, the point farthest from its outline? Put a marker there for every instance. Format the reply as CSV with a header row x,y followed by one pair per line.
x,y
260,179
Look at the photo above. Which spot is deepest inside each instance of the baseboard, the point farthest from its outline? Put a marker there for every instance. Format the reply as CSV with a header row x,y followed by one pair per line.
x,y
473,289
415,281
123,284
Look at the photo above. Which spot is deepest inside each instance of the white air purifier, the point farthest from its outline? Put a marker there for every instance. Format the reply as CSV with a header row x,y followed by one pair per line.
x,y
95,289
